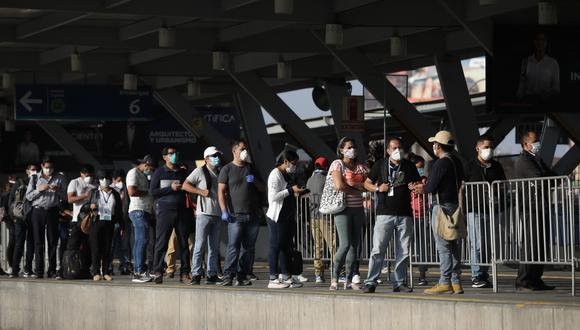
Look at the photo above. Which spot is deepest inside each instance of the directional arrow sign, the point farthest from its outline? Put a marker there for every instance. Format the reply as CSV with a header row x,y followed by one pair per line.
x,y
26,101
81,102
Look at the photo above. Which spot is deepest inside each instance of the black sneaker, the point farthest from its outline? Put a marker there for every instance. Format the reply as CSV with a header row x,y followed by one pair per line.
x,y
243,282
423,282
479,283
141,278
39,276
158,278
213,280
368,288
195,280
253,277
13,275
26,274
227,281
403,288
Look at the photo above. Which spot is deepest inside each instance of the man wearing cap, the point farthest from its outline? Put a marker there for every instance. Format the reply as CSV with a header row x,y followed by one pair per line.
x,y
171,213
203,182
321,230
140,213
444,183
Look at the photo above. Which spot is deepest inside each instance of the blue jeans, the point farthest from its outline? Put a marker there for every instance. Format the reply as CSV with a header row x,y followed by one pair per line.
x,y
479,227
382,234
449,251
207,229
141,223
242,236
348,227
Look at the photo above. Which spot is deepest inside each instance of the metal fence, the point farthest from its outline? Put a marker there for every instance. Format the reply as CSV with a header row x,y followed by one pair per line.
x,y
526,221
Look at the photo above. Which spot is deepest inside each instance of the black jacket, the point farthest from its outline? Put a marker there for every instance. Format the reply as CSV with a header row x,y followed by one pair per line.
x,y
94,199
531,194
530,166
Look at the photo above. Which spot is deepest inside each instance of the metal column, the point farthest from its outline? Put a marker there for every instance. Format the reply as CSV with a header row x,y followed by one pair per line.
x,y
459,108
568,162
336,90
501,128
257,88
178,106
68,143
256,132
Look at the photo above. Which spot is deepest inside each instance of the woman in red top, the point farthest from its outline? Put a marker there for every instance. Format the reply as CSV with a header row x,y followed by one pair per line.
x,y
348,176
420,206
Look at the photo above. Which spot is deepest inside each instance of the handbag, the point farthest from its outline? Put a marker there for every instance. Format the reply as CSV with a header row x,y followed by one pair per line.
x,y
88,219
332,201
451,227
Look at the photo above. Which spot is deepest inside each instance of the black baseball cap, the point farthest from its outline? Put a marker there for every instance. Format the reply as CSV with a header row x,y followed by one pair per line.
x,y
147,159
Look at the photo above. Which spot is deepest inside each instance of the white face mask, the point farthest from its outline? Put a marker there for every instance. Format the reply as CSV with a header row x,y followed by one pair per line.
x,y
397,154
245,156
87,179
291,168
31,173
118,185
350,153
104,183
486,154
535,148
47,171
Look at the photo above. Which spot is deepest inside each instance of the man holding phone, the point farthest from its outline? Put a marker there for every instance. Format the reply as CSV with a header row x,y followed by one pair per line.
x,y
171,214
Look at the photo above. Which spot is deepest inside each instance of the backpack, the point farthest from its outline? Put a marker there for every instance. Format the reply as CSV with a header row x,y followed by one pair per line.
x,y
71,264
20,207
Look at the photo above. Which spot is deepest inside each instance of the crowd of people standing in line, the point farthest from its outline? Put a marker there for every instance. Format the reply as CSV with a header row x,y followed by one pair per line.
x,y
159,205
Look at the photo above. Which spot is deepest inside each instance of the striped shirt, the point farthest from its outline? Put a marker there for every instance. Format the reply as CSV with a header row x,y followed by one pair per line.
x,y
359,175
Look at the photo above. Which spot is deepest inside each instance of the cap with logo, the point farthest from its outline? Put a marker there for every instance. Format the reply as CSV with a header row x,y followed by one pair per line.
x,y
210,151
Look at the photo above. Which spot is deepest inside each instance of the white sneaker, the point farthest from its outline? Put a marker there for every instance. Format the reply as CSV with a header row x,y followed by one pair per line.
x,y
293,283
385,270
356,279
300,278
277,284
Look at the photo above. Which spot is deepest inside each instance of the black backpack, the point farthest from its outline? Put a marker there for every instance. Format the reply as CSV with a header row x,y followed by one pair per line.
x,y
71,264
207,176
20,207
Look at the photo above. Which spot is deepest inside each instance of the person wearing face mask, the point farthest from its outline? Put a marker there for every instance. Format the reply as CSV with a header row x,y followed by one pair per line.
x,y
390,178
280,218
530,165
445,181
238,194
422,235
140,214
120,247
171,213
106,203
23,232
45,195
348,176
79,189
483,168
203,182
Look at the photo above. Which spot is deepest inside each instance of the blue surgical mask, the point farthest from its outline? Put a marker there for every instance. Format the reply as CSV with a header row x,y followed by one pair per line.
x,y
214,161
421,171
173,158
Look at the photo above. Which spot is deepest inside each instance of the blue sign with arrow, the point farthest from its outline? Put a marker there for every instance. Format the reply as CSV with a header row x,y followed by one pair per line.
x,y
80,102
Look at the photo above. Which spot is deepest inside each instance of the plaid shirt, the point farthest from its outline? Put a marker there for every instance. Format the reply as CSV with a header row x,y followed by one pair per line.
x,y
50,197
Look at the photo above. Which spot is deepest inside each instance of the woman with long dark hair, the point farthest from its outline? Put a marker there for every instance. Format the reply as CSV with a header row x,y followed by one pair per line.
x,y
348,176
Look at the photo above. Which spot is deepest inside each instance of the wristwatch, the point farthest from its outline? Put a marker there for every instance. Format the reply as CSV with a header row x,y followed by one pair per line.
x,y
377,189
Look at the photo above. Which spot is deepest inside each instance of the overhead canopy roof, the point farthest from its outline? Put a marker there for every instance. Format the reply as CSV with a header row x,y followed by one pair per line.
x,y
37,37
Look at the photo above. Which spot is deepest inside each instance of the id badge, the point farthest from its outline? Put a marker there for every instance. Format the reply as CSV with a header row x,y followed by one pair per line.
x,y
391,191
105,215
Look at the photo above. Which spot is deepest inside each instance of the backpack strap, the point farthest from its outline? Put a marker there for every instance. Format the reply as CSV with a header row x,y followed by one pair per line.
x,y
207,176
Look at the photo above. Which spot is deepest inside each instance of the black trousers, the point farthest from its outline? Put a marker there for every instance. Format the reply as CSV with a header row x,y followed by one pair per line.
x,y
168,219
23,234
151,246
534,247
45,222
80,241
11,240
101,239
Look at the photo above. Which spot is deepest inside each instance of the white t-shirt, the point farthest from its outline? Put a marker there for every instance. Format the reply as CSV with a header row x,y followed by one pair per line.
x,y
137,179
206,205
79,187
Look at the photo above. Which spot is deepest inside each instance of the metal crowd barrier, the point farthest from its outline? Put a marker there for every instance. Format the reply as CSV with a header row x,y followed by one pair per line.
x,y
534,221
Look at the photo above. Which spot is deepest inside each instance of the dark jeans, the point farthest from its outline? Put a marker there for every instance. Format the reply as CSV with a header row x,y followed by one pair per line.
x,y
80,241
100,240
63,233
150,255
23,233
168,219
280,246
533,249
242,235
11,240
45,220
